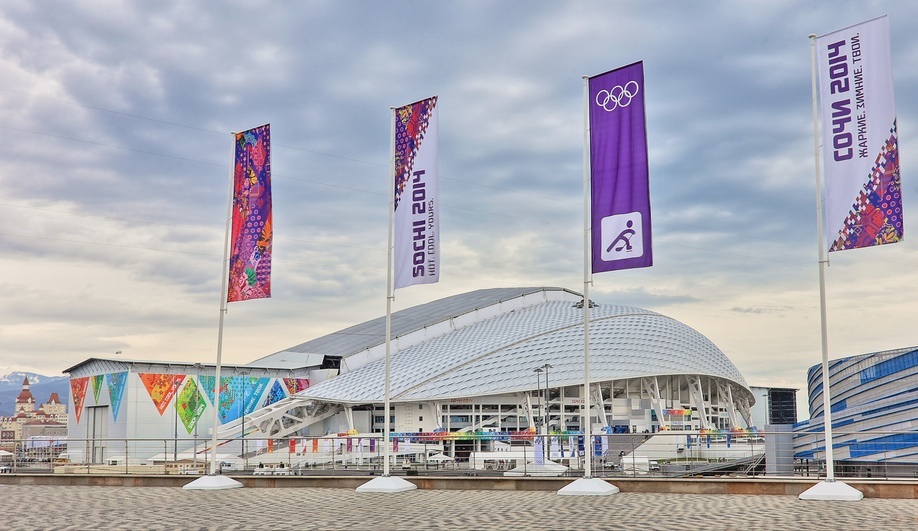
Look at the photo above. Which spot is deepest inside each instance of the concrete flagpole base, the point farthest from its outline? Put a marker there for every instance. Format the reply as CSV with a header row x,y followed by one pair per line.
x,y
588,487
213,483
387,484
831,490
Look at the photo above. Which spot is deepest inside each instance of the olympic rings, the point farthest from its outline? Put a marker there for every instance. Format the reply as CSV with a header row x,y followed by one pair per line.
x,y
617,96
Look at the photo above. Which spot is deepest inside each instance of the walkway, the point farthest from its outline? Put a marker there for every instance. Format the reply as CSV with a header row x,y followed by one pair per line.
x,y
168,508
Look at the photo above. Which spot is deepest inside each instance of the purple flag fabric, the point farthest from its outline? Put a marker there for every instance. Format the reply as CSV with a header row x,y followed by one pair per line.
x,y
620,185
252,233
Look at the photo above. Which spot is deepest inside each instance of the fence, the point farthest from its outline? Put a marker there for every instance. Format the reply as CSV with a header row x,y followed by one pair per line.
x,y
663,454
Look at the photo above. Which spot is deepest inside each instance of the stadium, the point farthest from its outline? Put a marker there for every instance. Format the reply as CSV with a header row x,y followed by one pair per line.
x,y
873,410
511,360
481,371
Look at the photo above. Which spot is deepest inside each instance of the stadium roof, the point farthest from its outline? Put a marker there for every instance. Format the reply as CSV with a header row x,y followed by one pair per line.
x,y
488,342
364,336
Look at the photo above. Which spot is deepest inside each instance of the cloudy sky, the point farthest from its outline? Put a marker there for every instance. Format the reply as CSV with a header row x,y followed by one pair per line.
x,y
117,119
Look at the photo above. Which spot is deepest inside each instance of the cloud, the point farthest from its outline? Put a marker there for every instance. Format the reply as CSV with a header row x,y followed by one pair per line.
x,y
118,121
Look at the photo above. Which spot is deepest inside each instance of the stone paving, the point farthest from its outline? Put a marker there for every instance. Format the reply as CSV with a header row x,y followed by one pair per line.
x,y
39,507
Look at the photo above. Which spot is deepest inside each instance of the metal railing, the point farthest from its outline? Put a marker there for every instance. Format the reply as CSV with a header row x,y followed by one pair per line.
x,y
885,455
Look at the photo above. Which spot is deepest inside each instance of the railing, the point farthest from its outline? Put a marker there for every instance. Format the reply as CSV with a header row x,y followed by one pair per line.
x,y
664,454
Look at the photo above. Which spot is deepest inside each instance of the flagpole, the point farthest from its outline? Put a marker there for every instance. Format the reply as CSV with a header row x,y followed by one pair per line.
x,y
587,485
213,481
820,230
389,294
587,430
830,489
387,483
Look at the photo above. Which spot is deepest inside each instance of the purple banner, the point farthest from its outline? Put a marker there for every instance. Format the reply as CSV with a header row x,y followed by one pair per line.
x,y
252,233
620,202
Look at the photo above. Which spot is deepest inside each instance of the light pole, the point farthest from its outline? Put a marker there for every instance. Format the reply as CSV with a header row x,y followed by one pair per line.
x,y
547,399
538,371
245,457
197,370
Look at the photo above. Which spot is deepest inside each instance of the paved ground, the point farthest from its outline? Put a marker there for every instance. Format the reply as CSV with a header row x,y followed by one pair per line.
x,y
160,508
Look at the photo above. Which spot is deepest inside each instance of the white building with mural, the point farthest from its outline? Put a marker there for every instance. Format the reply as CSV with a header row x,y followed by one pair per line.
x,y
146,408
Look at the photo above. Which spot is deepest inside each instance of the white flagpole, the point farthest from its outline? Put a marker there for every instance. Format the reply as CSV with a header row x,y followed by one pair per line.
x,y
213,481
830,489
587,485
587,425
389,294
386,483
223,291
820,230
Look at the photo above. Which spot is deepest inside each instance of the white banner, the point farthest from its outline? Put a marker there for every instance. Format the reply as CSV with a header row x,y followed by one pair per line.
x,y
417,209
862,192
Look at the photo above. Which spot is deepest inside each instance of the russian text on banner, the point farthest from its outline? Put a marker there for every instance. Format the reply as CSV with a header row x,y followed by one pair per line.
x,y
620,184
416,202
252,234
862,191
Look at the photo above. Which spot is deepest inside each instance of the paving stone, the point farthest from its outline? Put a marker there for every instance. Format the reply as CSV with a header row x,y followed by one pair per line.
x,y
40,507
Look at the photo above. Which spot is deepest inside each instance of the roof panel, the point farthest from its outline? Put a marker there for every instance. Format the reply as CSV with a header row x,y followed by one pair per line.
x,y
497,355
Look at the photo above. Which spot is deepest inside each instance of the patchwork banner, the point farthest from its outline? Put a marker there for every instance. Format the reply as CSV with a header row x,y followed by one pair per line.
x,y
97,386
116,385
239,395
252,233
162,388
417,211
862,191
275,394
78,388
619,177
190,405
253,388
295,385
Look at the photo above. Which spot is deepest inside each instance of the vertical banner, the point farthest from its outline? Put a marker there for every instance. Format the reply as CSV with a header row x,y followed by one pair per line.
x,y
620,183
252,232
862,191
416,202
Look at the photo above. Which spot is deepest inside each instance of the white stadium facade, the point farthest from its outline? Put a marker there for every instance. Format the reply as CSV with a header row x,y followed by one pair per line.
x,y
484,359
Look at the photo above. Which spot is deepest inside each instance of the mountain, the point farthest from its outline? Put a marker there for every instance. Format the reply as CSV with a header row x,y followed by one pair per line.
x,y
41,387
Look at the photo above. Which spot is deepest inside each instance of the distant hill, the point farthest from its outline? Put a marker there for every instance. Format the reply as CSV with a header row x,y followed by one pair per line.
x,y
40,385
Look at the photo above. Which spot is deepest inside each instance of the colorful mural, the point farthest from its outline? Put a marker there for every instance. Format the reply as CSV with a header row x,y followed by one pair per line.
x,y
233,390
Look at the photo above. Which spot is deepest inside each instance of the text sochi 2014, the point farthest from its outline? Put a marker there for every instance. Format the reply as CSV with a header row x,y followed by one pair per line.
x,y
422,241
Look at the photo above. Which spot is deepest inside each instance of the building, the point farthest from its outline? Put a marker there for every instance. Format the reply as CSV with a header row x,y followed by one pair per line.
x,y
497,360
473,361
774,406
873,400
30,418
146,408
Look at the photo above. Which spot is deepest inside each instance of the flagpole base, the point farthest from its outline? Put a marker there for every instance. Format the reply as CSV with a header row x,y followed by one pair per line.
x,y
213,483
588,487
387,484
832,491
